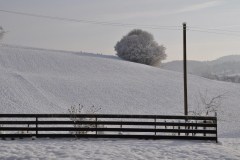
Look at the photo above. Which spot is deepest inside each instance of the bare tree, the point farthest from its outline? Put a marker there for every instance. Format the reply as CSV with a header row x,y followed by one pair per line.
x,y
207,105
2,32
73,111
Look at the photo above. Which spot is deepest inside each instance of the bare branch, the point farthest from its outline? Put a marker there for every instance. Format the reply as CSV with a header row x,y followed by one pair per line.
x,y
207,105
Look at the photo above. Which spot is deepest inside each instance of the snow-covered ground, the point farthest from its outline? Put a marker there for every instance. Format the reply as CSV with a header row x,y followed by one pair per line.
x,y
46,81
101,149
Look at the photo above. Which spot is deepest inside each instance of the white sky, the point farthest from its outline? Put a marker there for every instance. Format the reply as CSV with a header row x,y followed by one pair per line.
x,y
54,34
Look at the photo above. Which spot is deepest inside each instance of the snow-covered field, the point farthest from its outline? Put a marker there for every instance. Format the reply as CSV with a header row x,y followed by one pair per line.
x,y
45,81
101,149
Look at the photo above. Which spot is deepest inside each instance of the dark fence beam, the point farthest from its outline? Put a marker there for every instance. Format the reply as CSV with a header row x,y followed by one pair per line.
x,y
106,116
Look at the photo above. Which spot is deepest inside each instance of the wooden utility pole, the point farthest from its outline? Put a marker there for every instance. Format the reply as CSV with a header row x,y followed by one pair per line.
x,y
185,69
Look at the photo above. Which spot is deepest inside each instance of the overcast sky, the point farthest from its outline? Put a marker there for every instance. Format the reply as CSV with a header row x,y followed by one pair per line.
x,y
55,34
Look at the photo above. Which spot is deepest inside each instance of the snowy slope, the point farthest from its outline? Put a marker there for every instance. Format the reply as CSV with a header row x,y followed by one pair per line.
x,y
46,81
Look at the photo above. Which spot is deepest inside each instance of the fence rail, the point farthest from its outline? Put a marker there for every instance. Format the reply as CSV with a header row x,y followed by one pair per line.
x,y
108,126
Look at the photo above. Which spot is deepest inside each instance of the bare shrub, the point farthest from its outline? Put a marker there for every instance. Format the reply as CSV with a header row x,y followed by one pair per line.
x,y
74,110
208,105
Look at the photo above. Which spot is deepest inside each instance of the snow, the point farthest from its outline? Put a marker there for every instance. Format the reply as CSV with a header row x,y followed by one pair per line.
x,y
48,81
117,149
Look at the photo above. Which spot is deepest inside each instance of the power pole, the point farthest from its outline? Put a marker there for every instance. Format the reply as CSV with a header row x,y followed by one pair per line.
x,y
185,69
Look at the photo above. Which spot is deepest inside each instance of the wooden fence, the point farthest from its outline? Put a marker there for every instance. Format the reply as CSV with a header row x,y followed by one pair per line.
x,y
108,126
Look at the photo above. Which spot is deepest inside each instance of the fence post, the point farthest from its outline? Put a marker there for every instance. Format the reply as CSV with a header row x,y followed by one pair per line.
x,y
121,126
196,127
155,120
192,127
36,125
216,128
204,128
186,134
179,128
96,126
173,127
28,127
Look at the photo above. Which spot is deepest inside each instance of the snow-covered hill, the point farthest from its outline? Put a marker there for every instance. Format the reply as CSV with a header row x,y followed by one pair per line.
x,y
226,68
197,66
230,58
47,81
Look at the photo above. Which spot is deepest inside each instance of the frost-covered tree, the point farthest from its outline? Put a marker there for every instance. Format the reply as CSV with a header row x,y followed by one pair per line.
x,y
139,46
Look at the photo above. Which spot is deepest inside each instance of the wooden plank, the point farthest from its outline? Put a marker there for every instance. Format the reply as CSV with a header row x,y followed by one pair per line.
x,y
107,129
108,136
106,116
110,123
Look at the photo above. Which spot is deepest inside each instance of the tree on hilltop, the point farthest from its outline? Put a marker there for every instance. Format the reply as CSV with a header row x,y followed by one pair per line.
x,y
139,46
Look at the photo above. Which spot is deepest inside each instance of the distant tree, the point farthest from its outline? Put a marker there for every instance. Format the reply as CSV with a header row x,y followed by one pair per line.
x,y
139,46
2,32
